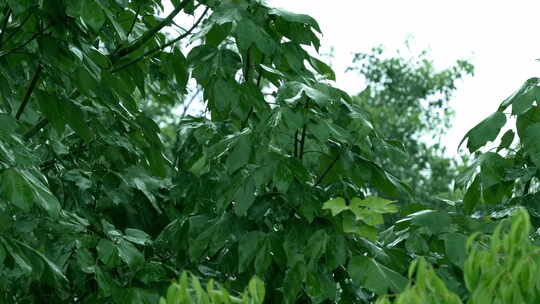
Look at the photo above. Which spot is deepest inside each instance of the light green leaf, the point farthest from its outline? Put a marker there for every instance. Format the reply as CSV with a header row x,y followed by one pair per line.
x,y
336,205
374,203
351,225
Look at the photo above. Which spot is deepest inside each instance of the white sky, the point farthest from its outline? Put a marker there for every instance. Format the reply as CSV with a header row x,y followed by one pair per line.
x,y
502,39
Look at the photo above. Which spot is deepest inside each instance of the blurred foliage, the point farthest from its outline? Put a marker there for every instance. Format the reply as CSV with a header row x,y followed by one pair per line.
x,y
408,103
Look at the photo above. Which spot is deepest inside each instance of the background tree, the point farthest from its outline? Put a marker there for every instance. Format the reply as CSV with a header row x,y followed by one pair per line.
x,y
408,102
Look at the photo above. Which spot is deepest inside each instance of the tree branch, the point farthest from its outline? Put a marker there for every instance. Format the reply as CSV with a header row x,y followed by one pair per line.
x,y
29,91
259,78
161,47
247,65
4,24
151,32
319,180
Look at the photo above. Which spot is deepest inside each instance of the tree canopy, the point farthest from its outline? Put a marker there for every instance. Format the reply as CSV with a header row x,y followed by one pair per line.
x,y
281,181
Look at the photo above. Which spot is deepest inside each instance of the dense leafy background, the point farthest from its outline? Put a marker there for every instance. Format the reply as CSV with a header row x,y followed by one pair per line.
x,y
106,197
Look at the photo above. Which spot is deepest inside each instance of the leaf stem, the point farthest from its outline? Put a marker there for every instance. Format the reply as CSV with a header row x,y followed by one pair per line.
x,y
319,180
161,47
151,32
35,129
29,91
132,26
303,141
296,144
259,78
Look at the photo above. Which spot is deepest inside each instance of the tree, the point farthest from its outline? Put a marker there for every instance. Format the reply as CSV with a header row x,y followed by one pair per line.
x,y
96,209
276,179
408,102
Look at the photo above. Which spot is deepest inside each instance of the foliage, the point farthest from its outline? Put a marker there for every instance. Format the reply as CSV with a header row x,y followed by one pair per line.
x,y
408,102
501,268
281,177
189,290
96,208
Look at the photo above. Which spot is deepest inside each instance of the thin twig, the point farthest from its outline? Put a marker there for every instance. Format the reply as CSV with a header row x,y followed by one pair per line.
x,y
295,154
303,141
132,26
35,129
159,48
150,33
319,180
4,24
247,66
29,91
259,78
190,102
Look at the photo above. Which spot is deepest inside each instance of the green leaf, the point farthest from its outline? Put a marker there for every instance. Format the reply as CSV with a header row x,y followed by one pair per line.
x,y
374,203
336,205
18,257
522,99
52,266
298,18
240,154
454,244
21,188
485,131
351,225
51,108
435,221
472,196
322,68
506,140
531,141
76,119
93,15
245,196
248,33
368,272
256,290
129,254
248,246
107,252
316,246
137,236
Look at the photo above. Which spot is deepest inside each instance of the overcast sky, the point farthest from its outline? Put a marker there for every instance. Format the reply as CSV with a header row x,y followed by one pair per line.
x,y
501,38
